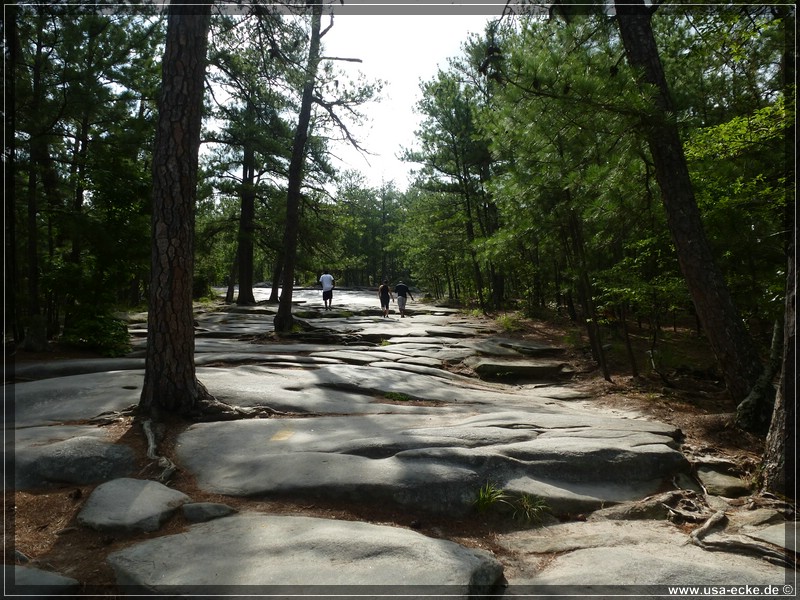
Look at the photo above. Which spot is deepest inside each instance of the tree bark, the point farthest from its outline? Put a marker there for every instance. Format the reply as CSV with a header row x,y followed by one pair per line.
x,y
727,335
628,346
34,307
170,382
247,228
780,452
10,330
274,294
585,295
283,319
230,293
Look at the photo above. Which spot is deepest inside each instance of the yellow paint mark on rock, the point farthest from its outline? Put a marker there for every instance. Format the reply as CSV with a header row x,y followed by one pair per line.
x,y
282,435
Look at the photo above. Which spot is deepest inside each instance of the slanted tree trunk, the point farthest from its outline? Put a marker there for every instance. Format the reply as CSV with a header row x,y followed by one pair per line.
x,y
722,323
780,453
170,382
284,320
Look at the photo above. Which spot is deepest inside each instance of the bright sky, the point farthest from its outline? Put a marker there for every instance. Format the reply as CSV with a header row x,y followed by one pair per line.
x,y
402,50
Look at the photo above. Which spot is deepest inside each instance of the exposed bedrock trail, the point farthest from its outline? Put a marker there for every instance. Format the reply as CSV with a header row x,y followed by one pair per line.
x,y
421,414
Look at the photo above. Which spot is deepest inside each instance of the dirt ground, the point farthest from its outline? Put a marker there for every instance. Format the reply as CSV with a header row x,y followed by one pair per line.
x,y
42,525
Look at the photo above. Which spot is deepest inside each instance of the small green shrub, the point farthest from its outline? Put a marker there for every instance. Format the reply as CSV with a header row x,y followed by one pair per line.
x,y
509,323
529,509
201,287
525,508
490,495
397,396
573,339
102,333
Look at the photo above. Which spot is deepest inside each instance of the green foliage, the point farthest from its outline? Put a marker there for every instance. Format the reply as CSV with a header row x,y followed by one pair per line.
x,y
573,340
563,130
646,280
745,197
84,107
509,322
530,149
368,244
103,333
530,509
741,135
490,496
524,508
398,396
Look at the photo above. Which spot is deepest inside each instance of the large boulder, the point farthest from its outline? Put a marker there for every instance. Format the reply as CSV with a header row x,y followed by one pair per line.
x,y
37,583
252,553
435,462
501,369
625,557
130,505
79,460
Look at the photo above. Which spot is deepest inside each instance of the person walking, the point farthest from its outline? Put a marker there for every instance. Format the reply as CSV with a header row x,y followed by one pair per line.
x,y
401,289
385,293
328,283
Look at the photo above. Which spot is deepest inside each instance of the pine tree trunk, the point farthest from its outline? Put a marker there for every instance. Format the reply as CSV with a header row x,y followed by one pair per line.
x,y
723,326
274,295
284,320
233,274
628,347
780,453
33,301
587,298
170,383
13,49
246,229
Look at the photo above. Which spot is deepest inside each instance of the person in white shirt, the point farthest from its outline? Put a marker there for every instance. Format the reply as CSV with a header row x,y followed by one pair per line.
x,y
328,283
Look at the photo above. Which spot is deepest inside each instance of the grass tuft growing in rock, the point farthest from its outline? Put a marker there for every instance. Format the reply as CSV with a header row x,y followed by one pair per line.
x,y
524,508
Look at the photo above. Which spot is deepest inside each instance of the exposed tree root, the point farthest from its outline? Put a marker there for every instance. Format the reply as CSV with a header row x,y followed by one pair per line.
x,y
739,544
112,416
210,409
168,467
698,534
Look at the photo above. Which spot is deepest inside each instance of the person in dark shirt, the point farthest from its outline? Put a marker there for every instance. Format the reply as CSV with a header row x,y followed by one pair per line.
x,y
384,293
401,289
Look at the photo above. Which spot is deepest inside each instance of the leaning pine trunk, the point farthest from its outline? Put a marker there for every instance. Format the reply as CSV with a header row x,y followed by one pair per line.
x,y
283,319
780,453
724,327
